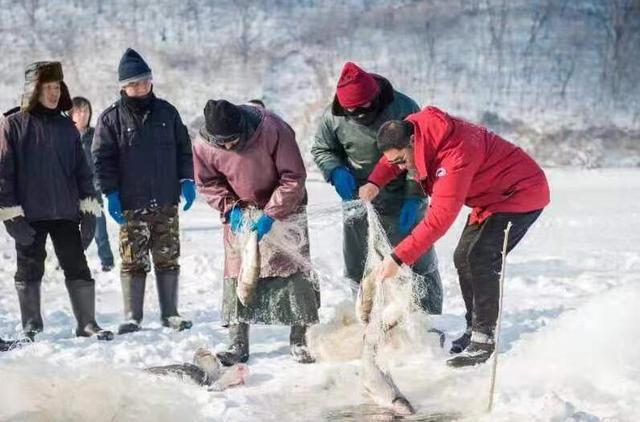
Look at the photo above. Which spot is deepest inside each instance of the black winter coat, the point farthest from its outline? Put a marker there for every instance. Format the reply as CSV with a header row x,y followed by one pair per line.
x,y
87,141
144,159
43,168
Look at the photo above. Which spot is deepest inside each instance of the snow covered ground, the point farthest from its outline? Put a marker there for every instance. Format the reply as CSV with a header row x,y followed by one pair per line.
x,y
568,342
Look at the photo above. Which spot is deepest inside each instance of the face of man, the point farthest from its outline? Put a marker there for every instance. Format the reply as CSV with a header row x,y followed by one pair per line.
x,y
49,94
403,158
138,88
80,116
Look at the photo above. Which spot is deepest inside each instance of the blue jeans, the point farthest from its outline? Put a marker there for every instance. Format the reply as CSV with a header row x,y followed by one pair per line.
x,y
102,241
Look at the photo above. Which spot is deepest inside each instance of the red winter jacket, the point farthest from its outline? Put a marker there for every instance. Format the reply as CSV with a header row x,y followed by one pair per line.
x,y
461,163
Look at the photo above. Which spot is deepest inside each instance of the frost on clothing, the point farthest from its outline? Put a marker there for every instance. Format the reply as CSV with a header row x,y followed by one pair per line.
x,y
459,163
42,166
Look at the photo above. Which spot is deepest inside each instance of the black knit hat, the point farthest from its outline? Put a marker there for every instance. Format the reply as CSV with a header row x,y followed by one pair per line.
x,y
222,119
132,68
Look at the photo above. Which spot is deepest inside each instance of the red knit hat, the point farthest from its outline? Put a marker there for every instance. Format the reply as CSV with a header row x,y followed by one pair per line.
x,y
355,86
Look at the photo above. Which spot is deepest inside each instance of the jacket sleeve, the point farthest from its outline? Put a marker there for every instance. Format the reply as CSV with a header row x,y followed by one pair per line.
x,y
185,158
212,185
83,173
449,193
106,155
9,205
384,172
290,191
327,151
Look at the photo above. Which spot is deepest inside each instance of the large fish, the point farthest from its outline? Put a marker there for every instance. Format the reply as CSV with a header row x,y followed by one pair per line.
x,y
205,370
378,383
249,269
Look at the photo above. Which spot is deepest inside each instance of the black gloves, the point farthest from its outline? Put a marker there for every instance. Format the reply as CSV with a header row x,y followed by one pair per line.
x,y
20,229
87,228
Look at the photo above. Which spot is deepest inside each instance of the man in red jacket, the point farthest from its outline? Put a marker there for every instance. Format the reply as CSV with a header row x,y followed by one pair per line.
x,y
459,163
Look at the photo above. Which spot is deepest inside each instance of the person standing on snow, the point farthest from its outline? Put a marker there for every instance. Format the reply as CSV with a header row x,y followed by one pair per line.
x,y
345,150
81,115
459,163
46,189
247,163
143,162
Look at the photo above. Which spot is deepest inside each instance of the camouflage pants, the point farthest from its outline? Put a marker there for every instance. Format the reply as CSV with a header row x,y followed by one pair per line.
x,y
150,230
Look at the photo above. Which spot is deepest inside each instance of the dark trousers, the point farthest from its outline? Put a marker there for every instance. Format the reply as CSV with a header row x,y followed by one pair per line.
x,y
67,245
478,260
102,241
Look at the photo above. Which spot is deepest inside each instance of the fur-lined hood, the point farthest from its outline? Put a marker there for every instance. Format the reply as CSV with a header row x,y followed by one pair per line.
x,y
37,74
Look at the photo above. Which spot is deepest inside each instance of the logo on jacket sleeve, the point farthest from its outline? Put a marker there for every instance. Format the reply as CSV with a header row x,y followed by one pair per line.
x,y
441,172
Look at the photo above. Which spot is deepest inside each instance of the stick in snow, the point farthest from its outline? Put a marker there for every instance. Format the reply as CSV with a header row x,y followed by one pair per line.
x,y
494,365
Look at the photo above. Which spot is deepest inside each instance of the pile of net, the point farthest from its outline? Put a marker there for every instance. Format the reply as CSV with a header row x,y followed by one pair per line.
x,y
386,321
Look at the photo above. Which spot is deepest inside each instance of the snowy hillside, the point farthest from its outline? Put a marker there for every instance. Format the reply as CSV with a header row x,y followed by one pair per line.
x,y
559,77
568,349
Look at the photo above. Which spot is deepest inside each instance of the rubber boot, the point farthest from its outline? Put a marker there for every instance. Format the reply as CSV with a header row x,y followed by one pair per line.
x,y
133,285
238,352
83,300
29,298
167,284
298,344
461,343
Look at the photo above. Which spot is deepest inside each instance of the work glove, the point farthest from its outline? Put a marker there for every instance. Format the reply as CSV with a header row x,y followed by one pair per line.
x,y
263,225
188,193
87,228
115,207
20,229
408,215
344,182
236,219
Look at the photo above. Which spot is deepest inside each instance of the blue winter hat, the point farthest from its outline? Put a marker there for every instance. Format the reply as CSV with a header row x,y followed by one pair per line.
x,y
132,68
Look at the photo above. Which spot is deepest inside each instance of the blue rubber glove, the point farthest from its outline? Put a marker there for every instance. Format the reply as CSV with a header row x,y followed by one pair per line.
x,y
115,207
344,182
235,219
408,215
263,225
188,193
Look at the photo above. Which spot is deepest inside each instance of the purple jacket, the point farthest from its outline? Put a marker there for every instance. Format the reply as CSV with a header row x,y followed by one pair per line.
x,y
268,172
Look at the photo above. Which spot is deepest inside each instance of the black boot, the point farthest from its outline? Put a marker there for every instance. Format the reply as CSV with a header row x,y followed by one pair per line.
x,y
478,351
298,344
6,345
133,286
29,298
461,343
83,299
238,352
167,283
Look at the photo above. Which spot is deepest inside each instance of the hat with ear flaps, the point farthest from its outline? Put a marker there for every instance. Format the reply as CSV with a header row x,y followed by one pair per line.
x,y
37,74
